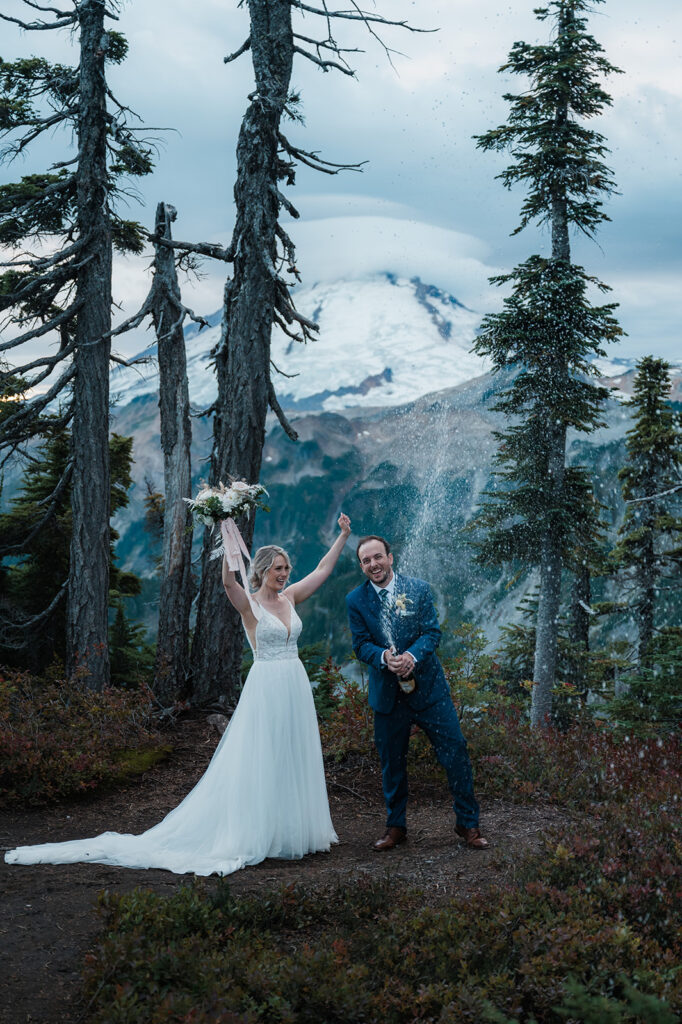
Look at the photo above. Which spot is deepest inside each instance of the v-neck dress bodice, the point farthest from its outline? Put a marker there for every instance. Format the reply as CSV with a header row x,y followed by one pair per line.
x,y
274,642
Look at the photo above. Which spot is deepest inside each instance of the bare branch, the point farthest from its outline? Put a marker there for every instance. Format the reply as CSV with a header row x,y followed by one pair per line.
x,y
51,361
654,497
12,151
216,252
53,500
51,325
327,44
290,334
45,262
356,15
38,26
279,413
246,45
29,409
289,376
137,361
22,627
325,64
51,10
282,199
311,159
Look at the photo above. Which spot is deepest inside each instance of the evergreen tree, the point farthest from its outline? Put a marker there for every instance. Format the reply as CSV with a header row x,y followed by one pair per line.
x,y
653,697
548,330
648,554
132,659
62,225
154,506
35,538
585,558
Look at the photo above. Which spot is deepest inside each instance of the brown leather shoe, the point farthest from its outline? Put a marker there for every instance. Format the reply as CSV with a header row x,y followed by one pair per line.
x,y
472,837
391,838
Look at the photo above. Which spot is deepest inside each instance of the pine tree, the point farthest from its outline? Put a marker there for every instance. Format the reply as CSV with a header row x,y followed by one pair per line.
x,y
35,538
548,331
62,225
648,554
132,659
653,697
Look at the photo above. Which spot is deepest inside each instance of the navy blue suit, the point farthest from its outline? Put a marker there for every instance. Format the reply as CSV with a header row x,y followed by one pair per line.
x,y
414,625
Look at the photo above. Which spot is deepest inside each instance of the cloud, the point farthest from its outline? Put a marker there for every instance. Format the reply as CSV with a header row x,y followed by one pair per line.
x,y
412,120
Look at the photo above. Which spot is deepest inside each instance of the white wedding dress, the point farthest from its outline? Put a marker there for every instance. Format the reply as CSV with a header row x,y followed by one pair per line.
x,y
262,795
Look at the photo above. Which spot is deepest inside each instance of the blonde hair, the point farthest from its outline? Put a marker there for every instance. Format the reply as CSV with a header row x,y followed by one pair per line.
x,y
263,560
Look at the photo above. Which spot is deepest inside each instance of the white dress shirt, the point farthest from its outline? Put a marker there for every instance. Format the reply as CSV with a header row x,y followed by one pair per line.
x,y
390,589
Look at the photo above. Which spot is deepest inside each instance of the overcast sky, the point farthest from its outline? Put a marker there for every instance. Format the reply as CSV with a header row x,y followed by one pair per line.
x,y
427,202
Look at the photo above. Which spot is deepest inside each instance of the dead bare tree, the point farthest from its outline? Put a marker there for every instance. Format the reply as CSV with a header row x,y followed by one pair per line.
x,y
175,600
257,296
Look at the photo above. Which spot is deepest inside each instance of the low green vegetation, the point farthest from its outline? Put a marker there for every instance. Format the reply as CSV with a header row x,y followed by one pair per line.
x,y
59,739
588,932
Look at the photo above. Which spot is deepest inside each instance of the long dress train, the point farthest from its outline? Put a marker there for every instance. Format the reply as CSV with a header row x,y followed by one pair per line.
x,y
262,795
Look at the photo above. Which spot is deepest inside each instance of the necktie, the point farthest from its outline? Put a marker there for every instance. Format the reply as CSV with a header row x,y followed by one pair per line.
x,y
383,594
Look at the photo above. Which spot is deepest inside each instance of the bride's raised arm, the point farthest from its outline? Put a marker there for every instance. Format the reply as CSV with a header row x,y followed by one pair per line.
x,y
238,597
314,580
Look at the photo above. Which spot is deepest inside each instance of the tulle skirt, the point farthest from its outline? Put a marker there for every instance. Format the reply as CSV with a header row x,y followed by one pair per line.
x,y
262,795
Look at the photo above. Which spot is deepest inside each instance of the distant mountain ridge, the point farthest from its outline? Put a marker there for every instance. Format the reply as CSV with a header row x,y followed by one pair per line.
x,y
384,340
393,413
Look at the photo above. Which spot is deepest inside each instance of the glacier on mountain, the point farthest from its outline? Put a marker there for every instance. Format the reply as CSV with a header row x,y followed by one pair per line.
x,y
383,341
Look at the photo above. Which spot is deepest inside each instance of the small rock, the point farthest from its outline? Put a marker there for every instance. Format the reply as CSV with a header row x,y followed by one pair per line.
x,y
219,722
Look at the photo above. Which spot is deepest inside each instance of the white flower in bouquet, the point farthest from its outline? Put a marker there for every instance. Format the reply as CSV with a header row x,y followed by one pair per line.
x,y
212,505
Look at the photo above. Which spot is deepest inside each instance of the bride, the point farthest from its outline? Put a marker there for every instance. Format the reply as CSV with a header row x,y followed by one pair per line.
x,y
264,793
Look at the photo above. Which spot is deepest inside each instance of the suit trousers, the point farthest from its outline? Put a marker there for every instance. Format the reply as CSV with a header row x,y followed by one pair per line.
x,y
440,723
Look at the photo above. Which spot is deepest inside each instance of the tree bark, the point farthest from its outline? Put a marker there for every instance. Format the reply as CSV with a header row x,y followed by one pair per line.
x,y
551,560
172,649
88,590
580,626
646,600
243,355
549,598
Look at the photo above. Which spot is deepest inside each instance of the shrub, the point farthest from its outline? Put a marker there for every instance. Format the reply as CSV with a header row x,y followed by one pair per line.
x,y
589,931
348,729
370,951
58,738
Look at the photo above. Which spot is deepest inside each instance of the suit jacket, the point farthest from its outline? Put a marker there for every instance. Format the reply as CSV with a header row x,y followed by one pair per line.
x,y
415,629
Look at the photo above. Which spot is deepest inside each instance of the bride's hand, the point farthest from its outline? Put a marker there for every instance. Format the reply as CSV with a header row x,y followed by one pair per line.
x,y
344,524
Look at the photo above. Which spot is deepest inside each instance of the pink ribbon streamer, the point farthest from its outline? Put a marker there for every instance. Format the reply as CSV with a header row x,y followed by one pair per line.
x,y
235,551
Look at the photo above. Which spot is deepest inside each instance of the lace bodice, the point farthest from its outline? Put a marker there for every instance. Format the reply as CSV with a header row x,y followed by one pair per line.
x,y
273,642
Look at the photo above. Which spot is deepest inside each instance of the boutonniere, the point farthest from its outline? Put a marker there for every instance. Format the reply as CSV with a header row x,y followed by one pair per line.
x,y
400,603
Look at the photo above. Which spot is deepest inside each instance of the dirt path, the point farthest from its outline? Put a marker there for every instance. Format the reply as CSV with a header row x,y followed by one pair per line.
x,y
48,918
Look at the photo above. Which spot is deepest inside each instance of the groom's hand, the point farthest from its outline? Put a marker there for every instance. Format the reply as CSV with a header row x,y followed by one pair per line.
x,y
391,661
400,664
404,665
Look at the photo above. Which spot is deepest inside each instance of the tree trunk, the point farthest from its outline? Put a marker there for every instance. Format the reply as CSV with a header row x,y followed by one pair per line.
x,y
647,597
88,592
243,356
549,598
580,626
172,649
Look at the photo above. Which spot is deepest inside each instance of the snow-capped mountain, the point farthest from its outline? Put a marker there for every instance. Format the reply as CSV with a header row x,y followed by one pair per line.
x,y
383,341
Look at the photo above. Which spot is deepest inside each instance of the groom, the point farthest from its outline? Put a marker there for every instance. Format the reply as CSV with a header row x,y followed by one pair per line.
x,y
395,631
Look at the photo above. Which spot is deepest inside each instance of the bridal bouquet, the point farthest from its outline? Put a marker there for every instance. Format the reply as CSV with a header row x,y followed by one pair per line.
x,y
217,506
